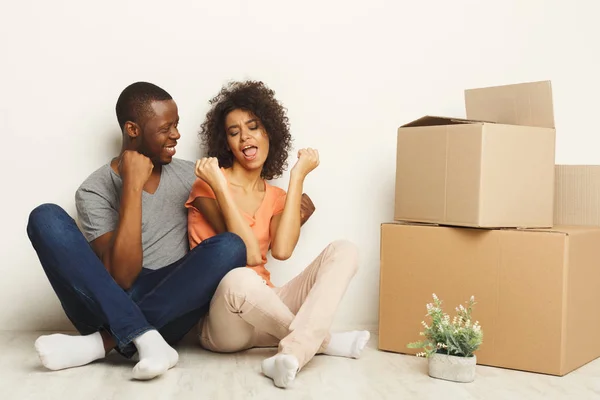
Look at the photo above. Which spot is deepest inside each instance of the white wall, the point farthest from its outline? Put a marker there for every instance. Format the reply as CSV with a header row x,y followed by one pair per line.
x,y
350,73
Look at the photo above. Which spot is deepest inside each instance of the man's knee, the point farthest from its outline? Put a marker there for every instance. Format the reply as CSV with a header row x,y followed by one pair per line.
x,y
43,217
346,254
234,250
44,213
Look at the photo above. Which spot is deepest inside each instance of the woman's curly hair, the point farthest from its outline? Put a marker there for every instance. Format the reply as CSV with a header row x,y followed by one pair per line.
x,y
256,98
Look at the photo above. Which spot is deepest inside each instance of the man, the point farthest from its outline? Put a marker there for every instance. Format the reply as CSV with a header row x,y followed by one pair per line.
x,y
127,280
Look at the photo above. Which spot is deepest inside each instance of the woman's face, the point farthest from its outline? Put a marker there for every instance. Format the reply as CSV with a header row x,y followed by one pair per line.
x,y
247,139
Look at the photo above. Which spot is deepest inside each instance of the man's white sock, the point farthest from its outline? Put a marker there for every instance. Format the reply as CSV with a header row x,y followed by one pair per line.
x,y
60,351
156,356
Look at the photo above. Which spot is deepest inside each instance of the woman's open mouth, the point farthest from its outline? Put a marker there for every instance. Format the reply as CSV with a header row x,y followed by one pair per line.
x,y
250,152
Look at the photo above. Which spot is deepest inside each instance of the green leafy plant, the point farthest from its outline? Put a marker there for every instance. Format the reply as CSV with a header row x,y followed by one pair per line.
x,y
459,337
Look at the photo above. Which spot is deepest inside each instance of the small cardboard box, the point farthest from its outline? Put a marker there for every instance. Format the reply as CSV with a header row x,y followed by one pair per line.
x,y
537,291
577,195
468,172
525,104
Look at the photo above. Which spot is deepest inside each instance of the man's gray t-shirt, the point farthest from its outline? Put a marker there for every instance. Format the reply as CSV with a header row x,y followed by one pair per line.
x,y
164,216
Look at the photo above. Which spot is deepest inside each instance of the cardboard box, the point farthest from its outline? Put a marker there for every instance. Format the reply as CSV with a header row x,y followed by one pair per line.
x,y
526,104
462,172
577,195
537,291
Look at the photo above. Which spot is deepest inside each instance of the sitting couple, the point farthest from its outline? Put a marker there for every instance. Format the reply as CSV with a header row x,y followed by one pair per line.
x,y
164,246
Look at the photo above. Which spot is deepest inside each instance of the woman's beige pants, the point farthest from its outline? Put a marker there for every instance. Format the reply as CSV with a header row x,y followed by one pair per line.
x,y
246,313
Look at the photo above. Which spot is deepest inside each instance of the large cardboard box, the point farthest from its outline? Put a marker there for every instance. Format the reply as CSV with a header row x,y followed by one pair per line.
x,y
537,290
577,195
463,172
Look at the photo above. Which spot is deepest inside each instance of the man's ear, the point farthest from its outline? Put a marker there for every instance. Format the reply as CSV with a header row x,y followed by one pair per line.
x,y
132,129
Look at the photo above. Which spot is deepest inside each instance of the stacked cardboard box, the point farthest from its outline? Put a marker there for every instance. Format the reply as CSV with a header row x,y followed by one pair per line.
x,y
577,195
474,215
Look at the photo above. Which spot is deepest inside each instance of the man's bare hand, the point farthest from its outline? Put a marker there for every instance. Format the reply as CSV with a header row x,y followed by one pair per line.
x,y
135,169
307,208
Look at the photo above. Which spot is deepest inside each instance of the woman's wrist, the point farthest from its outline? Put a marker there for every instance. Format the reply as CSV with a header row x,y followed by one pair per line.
x,y
296,177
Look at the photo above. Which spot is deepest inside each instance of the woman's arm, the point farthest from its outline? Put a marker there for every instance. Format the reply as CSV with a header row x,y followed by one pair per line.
x,y
222,213
285,228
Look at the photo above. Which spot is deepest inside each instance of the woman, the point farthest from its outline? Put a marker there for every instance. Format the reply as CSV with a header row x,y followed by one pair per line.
x,y
246,135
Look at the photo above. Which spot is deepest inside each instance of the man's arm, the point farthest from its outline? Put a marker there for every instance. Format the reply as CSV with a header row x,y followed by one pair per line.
x,y
121,250
307,208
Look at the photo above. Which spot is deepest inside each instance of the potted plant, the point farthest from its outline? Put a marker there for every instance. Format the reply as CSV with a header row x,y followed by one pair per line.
x,y
449,345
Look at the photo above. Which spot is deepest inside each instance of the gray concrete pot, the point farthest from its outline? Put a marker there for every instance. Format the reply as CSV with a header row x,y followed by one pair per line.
x,y
452,368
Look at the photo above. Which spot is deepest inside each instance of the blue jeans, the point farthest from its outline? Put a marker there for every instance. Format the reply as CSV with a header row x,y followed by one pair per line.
x,y
171,299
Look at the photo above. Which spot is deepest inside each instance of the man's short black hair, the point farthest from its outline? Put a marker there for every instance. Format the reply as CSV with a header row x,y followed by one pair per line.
x,y
134,102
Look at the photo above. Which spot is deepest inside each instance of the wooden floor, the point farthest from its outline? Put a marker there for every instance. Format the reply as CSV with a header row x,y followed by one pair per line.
x,y
202,375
